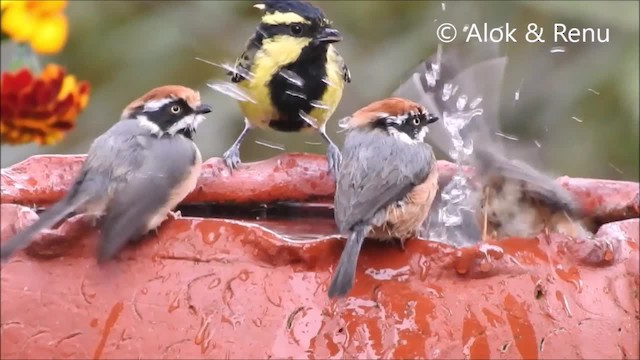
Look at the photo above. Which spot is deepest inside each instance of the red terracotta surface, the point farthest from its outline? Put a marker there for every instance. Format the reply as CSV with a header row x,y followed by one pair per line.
x,y
291,176
213,288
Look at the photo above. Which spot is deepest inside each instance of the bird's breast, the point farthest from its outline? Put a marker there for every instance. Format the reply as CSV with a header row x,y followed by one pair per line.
x,y
405,217
278,100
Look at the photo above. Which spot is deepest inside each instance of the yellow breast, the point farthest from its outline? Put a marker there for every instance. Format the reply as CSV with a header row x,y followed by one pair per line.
x,y
275,53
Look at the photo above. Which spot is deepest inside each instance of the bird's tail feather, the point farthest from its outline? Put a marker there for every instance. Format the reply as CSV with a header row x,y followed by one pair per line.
x,y
344,274
47,219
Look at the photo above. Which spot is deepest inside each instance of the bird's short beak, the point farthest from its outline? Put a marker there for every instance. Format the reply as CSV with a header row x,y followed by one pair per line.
x,y
203,109
431,118
329,35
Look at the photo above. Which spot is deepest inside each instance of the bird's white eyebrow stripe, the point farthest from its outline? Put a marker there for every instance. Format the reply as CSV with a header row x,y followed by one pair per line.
x,y
154,105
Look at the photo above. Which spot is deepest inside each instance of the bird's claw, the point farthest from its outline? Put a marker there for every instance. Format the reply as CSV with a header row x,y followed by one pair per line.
x,y
334,159
232,158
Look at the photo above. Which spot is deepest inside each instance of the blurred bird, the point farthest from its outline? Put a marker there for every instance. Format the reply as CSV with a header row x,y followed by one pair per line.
x,y
511,198
135,173
292,73
387,181
515,199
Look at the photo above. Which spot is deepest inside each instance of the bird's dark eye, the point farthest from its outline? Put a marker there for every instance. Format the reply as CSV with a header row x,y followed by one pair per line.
x,y
176,109
295,29
416,121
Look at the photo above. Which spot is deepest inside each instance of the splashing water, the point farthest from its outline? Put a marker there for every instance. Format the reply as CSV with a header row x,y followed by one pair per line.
x,y
319,105
232,90
309,119
292,77
231,69
270,145
458,190
296,94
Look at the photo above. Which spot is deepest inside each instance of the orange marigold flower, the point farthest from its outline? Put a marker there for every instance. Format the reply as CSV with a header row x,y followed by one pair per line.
x,y
42,109
40,23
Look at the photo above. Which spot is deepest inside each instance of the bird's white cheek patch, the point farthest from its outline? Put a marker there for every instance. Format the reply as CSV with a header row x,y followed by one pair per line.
x,y
190,121
422,134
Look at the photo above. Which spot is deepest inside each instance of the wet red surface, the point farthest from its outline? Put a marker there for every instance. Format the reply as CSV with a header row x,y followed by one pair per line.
x,y
292,177
214,288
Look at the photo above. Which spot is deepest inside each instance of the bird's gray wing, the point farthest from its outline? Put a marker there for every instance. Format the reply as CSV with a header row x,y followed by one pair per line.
x,y
377,170
165,163
245,61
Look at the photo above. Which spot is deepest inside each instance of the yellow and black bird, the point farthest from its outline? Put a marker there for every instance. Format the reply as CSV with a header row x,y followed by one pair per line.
x,y
292,73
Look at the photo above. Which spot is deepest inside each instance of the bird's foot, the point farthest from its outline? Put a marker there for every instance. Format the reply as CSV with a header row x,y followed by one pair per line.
x,y
334,159
232,157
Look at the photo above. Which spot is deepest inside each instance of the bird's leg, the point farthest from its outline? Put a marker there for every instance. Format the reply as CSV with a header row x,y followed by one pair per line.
x,y
334,158
232,155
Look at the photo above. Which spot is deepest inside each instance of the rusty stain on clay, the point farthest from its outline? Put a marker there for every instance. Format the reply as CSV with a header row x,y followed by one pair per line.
x,y
213,288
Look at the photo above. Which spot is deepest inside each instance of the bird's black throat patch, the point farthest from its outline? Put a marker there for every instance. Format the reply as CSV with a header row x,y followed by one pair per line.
x,y
311,67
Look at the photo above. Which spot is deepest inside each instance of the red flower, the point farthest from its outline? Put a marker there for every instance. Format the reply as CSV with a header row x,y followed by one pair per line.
x,y
40,109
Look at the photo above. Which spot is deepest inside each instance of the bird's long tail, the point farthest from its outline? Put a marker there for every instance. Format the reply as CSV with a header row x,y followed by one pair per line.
x,y
47,219
345,272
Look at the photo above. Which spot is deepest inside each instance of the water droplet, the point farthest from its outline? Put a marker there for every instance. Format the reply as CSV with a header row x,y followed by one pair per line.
x,y
296,94
175,304
474,104
424,265
243,276
232,90
430,75
214,283
203,337
462,102
144,291
446,91
257,322
309,119
292,77
319,105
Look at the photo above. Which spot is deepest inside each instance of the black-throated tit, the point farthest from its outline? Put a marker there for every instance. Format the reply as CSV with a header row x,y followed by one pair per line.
x,y
387,180
293,74
135,173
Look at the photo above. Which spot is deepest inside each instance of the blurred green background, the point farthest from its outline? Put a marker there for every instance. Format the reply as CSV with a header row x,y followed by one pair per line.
x,y
124,48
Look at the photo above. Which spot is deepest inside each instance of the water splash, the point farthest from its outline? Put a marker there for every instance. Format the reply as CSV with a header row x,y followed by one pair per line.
x,y
309,119
458,190
232,90
296,94
508,137
230,68
319,105
270,145
292,77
